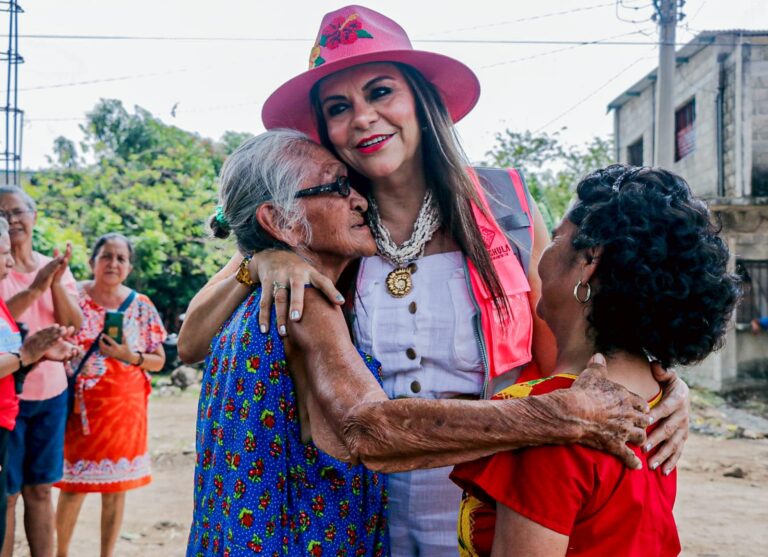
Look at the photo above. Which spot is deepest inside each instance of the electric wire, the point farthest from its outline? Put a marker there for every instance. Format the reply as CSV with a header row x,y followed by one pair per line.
x,y
592,94
525,19
557,50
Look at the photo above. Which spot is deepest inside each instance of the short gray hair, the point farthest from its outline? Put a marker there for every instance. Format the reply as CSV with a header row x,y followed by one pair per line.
x,y
16,190
3,226
267,168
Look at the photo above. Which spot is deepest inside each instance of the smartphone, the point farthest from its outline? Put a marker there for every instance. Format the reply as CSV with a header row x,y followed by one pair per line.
x,y
113,325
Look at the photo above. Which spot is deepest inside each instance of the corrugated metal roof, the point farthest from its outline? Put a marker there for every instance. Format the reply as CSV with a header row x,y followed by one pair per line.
x,y
699,43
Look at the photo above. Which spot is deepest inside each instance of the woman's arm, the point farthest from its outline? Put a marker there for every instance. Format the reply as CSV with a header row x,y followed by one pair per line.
x,y
148,361
66,308
22,300
47,343
208,310
544,347
223,293
518,536
404,434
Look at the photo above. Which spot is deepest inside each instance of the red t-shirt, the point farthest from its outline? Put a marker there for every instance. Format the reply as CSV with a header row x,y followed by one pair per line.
x,y
10,341
590,496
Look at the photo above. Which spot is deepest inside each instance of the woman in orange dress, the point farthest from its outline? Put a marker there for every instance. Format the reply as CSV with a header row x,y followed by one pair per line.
x,y
105,447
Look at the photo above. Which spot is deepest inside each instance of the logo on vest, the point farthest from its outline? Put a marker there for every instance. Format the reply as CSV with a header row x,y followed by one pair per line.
x,y
488,236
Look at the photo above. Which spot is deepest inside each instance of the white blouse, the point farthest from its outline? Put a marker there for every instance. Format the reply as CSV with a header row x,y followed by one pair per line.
x,y
425,340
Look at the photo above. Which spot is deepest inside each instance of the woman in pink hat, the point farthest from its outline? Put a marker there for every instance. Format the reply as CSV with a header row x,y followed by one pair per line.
x,y
445,305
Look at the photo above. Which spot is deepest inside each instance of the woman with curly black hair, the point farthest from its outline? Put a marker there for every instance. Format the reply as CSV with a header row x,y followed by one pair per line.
x,y
636,270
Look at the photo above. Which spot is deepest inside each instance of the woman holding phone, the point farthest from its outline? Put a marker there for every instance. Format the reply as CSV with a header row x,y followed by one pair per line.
x,y
105,447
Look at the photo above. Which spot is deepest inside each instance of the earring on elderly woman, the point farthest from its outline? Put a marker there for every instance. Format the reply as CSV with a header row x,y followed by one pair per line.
x,y
587,296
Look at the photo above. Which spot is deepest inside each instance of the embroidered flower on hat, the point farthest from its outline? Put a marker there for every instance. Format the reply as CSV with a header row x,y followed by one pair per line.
x,y
338,32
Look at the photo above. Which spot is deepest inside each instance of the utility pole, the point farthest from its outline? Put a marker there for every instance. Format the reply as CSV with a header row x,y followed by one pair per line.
x,y
664,148
10,145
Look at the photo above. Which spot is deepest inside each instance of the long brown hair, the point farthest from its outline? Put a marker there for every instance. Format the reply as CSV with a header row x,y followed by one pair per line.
x,y
445,170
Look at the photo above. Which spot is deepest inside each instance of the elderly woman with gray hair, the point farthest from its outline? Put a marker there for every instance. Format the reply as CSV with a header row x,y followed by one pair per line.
x,y
260,484
40,291
19,356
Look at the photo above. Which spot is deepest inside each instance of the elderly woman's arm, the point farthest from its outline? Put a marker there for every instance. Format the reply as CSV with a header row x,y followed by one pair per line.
x,y
223,293
404,434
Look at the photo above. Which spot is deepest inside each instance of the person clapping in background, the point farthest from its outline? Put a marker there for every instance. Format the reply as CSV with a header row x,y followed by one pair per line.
x,y
15,355
40,291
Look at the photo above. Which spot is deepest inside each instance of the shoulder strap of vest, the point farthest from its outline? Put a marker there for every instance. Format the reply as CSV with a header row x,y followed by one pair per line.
x,y
510,203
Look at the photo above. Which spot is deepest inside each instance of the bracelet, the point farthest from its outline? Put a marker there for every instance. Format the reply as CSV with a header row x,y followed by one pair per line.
x,y
243,275
18,357
141,359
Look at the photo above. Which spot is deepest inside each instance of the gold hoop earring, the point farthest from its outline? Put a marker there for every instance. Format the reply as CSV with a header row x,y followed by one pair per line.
x,y
587,297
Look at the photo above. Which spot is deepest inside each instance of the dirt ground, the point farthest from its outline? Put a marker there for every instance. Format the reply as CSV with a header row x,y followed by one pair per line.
x,y
718,515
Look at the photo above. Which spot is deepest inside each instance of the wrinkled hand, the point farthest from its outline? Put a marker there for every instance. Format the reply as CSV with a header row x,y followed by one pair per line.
x,y
610,415
39,343
110,348
673,414
63,262
285,267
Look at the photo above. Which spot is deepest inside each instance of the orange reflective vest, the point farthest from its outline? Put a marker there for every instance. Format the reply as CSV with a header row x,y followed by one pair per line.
x,y
505,344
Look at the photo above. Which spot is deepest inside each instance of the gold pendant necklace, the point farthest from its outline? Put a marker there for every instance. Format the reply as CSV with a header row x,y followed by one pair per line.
x,y
399,282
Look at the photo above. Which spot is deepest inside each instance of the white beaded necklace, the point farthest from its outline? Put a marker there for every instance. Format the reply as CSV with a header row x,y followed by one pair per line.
x,y
399,281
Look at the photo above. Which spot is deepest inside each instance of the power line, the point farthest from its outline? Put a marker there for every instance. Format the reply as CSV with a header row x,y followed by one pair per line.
x,y
524,19
102,80
592,94
621,4
557,50
287,39
183,70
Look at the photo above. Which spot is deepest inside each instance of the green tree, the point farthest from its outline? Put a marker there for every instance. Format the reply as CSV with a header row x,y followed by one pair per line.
x,y
551,168
65,151
154,183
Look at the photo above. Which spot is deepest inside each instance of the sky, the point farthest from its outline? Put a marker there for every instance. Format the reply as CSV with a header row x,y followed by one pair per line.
x,y
220,85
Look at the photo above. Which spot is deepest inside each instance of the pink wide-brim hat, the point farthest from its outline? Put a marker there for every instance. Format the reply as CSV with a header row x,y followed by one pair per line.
x,y
355,35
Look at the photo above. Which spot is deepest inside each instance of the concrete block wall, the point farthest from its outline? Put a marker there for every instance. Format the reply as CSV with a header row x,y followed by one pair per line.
x,y
757,86
729,128
697,79
636,121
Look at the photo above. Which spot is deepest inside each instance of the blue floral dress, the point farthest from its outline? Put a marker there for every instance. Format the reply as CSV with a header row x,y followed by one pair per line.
x,y
258,488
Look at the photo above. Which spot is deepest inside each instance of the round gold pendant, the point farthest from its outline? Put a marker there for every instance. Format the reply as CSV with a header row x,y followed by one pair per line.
x,y
399,282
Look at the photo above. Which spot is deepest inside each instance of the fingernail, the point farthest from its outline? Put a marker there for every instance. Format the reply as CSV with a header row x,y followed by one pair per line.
x,y
648,447
598,359
282,330
339,298
295,315
668,471
654,465
650,420
263,328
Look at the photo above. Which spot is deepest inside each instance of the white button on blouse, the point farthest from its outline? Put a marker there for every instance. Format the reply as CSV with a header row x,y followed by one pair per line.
x,y
426,338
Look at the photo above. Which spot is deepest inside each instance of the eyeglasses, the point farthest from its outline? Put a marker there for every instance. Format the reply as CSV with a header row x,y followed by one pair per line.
x,y
340,186
16,214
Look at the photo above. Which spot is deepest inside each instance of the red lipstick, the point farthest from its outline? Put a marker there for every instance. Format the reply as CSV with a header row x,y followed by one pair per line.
x,y
373,143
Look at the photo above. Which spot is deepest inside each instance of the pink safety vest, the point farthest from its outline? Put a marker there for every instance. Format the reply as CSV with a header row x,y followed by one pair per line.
x,y
504,345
